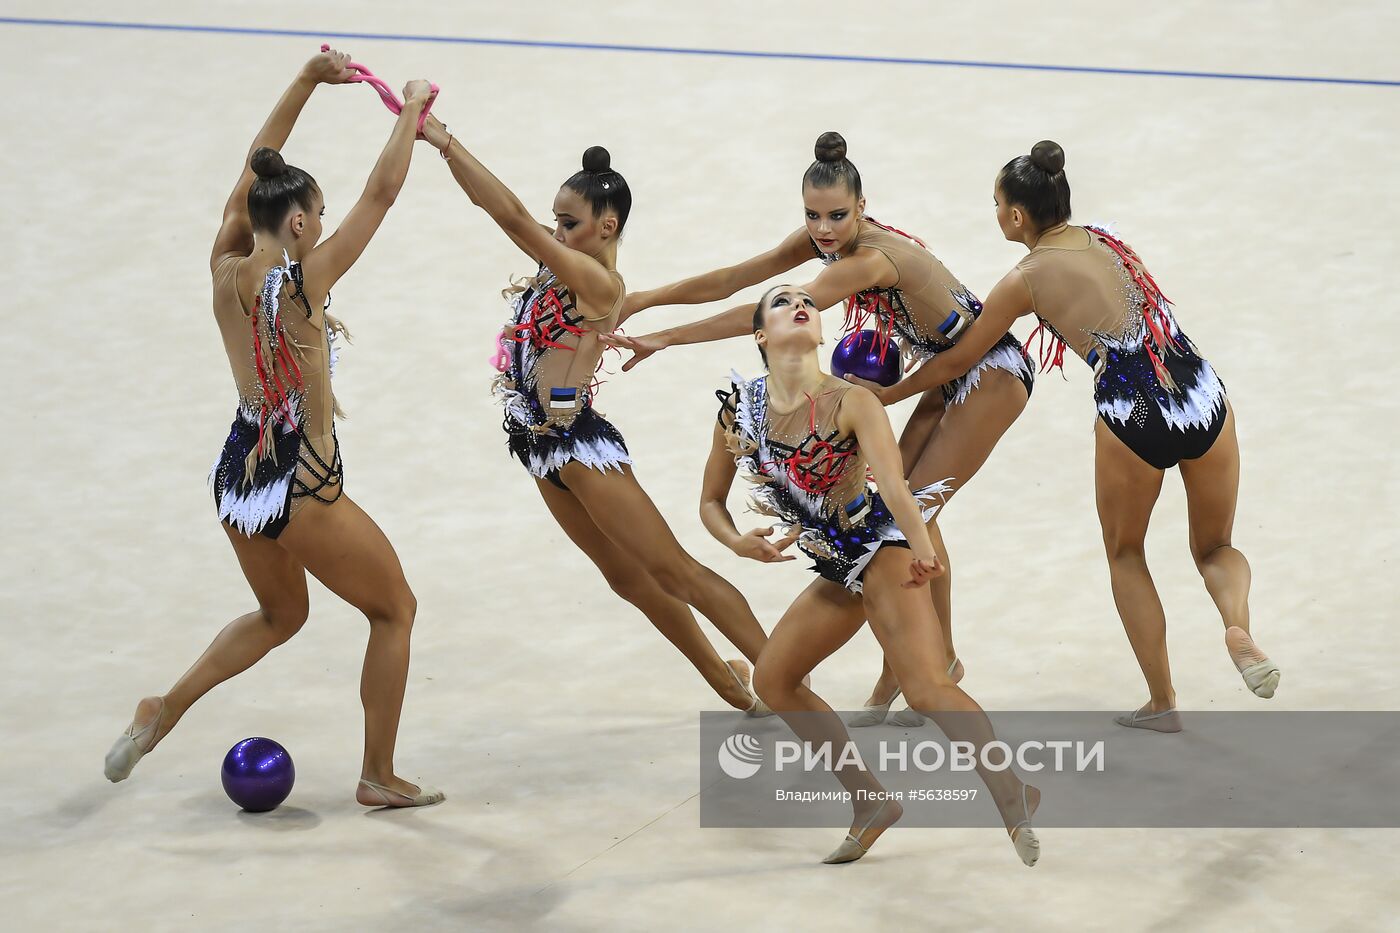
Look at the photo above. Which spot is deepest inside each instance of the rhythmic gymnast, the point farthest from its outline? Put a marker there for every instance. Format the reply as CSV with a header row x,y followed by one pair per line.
x,y
805,438
1160,405
578,460
279,482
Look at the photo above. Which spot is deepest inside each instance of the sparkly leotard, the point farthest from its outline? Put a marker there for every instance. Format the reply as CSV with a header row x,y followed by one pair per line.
x,y
1154,391
810,477
281,451
927,308
547,388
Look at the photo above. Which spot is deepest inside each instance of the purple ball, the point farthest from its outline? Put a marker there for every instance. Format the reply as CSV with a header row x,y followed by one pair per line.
x,y
258,774
858,354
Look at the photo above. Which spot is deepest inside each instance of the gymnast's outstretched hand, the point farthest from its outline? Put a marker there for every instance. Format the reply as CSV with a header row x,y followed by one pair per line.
x,y
755,546
641,347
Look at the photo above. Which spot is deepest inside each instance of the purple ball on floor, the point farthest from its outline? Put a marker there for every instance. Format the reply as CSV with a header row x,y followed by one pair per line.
x,y
258,774
858,354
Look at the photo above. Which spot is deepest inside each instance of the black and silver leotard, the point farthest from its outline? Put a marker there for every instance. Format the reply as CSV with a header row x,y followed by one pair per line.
x,y
281,451
547,384
1152,388
810,477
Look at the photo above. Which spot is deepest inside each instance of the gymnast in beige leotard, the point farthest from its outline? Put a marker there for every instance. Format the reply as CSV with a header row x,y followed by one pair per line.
x,y
1160,406
580,465
278,482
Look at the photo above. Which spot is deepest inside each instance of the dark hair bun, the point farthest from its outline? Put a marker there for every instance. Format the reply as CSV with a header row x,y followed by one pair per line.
x,y
1048,157
267,163
596,159
830,147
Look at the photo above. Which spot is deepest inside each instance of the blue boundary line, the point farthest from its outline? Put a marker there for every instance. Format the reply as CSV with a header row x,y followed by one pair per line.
x,y
680,50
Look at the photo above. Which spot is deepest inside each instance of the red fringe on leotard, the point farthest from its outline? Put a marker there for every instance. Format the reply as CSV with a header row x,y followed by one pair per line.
x,y
1050,348
272,366
875,302
860,308
1158,335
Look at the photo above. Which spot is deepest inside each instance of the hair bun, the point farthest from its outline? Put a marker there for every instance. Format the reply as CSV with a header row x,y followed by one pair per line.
x,y
830,147
1048,157
267,163
596,159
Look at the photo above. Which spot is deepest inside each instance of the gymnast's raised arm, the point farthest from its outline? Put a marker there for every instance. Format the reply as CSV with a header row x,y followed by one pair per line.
x,y
235,237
